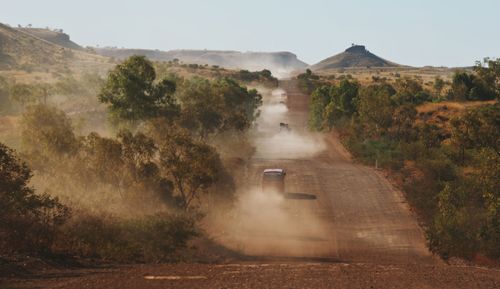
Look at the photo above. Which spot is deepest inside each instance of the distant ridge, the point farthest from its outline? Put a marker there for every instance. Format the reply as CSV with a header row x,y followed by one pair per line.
x,y
54,36
20,49
354,56
280,63
275,61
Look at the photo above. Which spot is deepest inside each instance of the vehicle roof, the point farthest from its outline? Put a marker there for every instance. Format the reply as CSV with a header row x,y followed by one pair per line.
x,y
274,171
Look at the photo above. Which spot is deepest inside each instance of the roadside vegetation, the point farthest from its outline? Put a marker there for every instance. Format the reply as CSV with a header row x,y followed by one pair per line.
x,y
131,181
308,81
440,145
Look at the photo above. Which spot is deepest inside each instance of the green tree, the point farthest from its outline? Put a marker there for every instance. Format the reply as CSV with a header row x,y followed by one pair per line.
x,y
466,86
266,73
410,91
139,153
211,107
342,102
451,233
375,106
133,94
193,166
240,105
103,162
27,220
489,72
487,184
320,98
127,164
477,128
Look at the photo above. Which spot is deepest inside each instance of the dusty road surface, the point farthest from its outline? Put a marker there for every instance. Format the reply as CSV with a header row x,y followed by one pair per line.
x,y
356,217
358,232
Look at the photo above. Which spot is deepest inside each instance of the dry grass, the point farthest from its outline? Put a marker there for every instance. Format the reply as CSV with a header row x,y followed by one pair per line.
x,y
9,131
364,75
452,105
440,113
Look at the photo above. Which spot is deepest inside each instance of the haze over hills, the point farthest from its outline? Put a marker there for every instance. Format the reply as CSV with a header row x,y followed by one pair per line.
x,y
32,46
43,45
278,62
354,56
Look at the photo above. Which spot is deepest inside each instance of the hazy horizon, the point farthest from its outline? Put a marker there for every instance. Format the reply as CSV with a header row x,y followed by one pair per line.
x,y
427,33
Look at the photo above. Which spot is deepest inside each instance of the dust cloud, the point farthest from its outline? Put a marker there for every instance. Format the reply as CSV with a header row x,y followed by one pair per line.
x,y
273,142
266,223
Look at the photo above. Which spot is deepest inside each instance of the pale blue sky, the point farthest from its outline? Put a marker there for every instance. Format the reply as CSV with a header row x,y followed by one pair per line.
x,y
418,32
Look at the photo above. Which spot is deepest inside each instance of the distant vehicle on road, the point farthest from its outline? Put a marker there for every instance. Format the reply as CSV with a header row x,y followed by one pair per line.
x,y
273,180
284,126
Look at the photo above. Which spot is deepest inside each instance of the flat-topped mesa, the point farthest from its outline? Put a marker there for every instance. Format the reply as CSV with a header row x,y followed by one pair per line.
x,y
54,36
356,49
277,62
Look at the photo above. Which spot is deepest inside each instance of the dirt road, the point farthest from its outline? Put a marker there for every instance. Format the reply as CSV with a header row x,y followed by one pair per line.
x,y
357,233
357,216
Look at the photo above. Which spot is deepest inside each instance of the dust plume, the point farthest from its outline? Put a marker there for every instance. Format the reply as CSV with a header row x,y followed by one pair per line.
x,y
273,141
266,223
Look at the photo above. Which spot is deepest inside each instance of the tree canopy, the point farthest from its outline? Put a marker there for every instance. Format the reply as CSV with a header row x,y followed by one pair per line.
x,y
133,93
209,107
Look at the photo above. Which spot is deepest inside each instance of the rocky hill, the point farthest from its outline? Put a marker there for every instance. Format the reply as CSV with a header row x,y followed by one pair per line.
x,y
20,49
54,36
354,56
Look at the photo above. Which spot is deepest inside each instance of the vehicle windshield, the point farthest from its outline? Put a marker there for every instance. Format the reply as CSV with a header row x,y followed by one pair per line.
x,y
273,177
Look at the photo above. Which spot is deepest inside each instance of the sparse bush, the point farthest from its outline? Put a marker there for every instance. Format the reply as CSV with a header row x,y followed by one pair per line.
x,y
131,185
438,86
410,91
486,185
5,102
309,81
403,120
476,129
23,94
154,238
47,133
452,233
